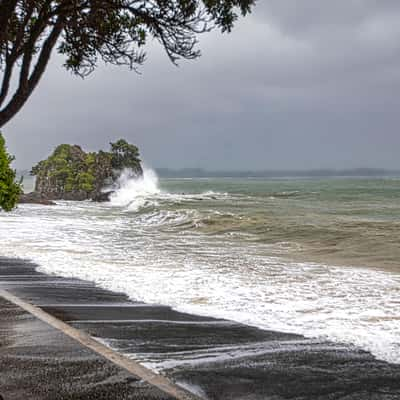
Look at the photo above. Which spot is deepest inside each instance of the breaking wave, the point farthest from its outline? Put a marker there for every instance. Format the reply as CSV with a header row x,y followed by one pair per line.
x,y
132,191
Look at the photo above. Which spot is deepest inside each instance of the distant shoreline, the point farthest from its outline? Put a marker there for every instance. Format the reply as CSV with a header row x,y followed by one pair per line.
x,y
313,173
287,174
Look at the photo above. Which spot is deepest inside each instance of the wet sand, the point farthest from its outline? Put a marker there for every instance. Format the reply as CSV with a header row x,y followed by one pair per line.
x,y
216,359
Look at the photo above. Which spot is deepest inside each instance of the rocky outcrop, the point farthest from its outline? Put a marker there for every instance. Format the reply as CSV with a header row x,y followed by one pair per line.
x,y
34,198
72,174
103,196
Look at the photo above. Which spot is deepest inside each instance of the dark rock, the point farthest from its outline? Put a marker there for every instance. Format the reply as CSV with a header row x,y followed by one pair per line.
x,y
102,196
35,198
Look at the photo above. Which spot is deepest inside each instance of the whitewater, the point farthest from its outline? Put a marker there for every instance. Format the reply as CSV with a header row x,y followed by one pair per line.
x,y
318,258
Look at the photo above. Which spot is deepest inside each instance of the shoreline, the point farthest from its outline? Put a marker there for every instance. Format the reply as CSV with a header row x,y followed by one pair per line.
x,y
241,319
213,358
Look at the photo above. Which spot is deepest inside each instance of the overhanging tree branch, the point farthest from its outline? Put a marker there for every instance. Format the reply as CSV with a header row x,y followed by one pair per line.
x,y
27,85
91,31
12,54
7,8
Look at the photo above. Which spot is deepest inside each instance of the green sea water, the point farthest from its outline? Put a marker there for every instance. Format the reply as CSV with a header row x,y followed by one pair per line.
x,y
319,257
347,221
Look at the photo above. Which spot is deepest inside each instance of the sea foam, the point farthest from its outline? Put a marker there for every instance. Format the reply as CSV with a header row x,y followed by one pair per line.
x,y
133,191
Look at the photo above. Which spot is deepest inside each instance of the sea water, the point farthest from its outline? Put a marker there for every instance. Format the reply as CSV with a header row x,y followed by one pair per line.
x,y
319,257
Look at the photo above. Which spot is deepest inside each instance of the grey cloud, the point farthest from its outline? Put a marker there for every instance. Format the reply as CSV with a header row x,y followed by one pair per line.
x,y
305,84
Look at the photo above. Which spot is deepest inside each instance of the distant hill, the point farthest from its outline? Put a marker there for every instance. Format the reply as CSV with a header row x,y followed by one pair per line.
x,y
202,173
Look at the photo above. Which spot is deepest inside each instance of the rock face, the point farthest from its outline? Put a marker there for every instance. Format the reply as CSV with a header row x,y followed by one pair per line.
x,y
72,174
35,198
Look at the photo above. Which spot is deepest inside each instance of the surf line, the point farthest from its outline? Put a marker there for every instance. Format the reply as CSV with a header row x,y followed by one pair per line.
x,y
86,340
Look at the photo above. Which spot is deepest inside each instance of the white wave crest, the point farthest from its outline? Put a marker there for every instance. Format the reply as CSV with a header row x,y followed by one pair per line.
x,y
132,191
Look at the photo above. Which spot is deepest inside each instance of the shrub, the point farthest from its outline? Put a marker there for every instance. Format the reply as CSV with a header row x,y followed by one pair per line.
x,y
9,188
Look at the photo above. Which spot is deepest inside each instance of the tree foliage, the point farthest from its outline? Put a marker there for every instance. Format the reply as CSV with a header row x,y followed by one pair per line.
x,y
88,31
72,174
9,188
125,155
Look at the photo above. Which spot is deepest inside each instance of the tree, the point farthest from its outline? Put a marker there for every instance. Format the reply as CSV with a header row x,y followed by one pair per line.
x,y
9,188
85,32
125,155
72,174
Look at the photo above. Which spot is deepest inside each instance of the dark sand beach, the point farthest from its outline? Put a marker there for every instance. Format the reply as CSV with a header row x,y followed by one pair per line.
x,y
215,359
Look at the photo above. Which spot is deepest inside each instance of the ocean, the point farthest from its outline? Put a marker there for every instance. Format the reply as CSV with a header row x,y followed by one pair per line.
x,y
318,257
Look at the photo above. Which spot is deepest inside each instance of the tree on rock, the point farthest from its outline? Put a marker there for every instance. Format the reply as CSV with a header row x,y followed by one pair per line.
x,y
72,174
85,32
9,188
125,155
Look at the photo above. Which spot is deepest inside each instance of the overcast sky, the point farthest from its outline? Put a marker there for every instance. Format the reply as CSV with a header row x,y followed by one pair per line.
x,y
298,85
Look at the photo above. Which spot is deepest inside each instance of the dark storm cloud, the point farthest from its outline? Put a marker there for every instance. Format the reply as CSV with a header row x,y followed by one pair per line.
x,y
305,84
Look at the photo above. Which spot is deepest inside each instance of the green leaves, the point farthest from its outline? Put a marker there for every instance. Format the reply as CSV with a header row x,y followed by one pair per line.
x,y
114,30
125,155
88,32
71,173
85,181
9,188
66,170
